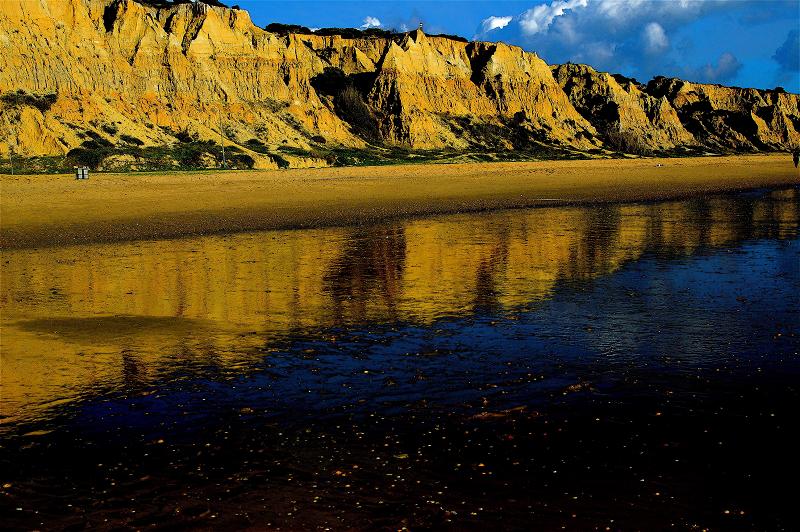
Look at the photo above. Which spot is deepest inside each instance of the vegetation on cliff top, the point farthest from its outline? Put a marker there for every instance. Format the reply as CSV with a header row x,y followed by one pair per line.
x,y
349,33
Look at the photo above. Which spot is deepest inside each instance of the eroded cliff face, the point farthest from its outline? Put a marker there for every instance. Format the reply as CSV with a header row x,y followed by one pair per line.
x,y
669,113
731,117
117,72
619,105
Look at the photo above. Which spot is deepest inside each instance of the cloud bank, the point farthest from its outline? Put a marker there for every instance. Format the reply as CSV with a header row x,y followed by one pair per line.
x,y
538,19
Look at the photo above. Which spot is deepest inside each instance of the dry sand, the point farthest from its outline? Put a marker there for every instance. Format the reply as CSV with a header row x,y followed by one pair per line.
x,y
57,210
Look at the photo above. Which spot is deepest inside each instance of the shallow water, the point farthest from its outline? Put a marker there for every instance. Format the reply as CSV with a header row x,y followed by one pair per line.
x,y
621,366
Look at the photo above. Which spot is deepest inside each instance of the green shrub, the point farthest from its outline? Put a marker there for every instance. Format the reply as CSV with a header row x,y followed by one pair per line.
x,y
190,154
295,150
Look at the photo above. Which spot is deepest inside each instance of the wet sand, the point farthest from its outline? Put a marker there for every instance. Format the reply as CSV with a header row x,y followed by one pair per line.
x,y
50,210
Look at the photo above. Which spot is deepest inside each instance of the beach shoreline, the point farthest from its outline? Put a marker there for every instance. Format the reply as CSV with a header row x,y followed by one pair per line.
x,y
48,210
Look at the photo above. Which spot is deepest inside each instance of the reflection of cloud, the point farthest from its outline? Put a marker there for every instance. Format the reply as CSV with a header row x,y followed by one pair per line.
x,y
726,69
370,22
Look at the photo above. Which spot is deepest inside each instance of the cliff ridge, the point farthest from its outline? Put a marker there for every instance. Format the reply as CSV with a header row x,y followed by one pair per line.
x,y
121,82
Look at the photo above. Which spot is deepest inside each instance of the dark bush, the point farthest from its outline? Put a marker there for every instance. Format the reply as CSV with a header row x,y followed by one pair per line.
x,y
99,140
169,3
622,80
185,136
280,161
96,144
87,157
190,154
111,129
42,102
256,145
295,150
319,139
130,140
378,32
451,37
241,161
627,142
285,29
350,106
346,33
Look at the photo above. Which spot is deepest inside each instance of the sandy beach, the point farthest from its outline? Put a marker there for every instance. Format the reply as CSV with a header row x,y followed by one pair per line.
x,y
47,210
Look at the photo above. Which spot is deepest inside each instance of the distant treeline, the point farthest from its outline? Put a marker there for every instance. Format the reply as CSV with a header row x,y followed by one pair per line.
x,y
347,33
285,29
169,3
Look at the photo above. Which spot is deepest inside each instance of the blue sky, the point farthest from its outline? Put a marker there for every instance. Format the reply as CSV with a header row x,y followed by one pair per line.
x,y
749,43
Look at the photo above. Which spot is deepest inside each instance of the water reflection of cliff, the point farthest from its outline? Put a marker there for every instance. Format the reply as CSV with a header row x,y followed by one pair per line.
x,y
82,318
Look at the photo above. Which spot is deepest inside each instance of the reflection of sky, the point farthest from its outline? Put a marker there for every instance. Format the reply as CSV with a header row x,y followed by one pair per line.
x,y
703,309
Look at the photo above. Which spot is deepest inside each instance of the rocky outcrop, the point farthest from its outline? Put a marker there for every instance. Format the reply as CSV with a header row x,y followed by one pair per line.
x,y
96,73
670,113
617,105
732,118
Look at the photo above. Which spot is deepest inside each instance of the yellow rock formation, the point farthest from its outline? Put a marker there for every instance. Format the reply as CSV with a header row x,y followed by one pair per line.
x,y
120,71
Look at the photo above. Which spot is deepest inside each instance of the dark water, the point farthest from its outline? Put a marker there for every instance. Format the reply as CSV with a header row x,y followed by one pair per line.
x,y
612,368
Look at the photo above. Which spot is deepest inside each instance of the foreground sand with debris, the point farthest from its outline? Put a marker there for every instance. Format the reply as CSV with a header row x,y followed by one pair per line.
x,y
45,210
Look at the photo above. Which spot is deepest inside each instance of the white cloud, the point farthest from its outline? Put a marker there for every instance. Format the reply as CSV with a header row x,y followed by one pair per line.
x,y
538,19
494,23
655,38
613,13
370,22
626,10
635,37
618,9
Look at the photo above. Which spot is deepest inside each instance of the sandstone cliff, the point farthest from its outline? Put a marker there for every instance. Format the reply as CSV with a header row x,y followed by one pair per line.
x,y
117,77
